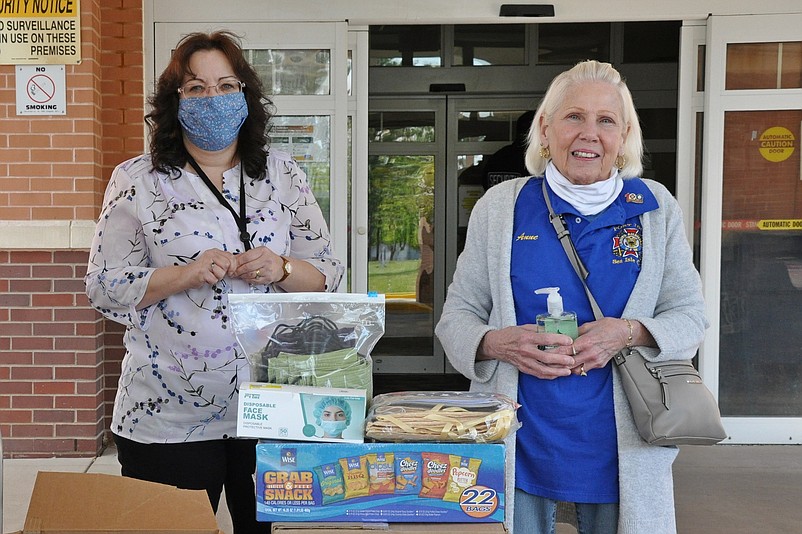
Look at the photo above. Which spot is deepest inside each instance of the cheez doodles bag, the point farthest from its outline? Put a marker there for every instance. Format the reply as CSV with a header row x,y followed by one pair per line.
x,y
355,475
408,468
434,475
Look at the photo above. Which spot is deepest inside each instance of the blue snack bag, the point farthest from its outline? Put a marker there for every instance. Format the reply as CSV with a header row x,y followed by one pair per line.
x,y
408,468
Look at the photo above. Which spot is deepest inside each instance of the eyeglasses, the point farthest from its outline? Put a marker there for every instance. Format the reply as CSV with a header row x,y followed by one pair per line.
x,y
197,89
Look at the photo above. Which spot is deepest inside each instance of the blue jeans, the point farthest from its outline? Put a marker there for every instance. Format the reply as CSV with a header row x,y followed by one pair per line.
x,y
538,515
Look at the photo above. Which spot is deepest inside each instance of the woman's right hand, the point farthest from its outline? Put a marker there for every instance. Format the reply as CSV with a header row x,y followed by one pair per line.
x,y
209,268
521,346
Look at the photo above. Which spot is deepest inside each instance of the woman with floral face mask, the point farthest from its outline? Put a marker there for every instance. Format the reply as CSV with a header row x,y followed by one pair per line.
x,y
209,211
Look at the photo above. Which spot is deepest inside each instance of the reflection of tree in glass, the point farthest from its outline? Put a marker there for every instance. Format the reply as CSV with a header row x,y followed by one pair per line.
x,y
391,131
292,71
317,174
400,193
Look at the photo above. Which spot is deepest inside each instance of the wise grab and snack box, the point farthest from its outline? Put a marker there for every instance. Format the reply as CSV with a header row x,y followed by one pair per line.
x,y
380,482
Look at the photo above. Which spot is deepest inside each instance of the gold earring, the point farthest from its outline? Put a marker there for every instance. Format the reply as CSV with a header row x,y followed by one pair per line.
x,y
545,153
620,161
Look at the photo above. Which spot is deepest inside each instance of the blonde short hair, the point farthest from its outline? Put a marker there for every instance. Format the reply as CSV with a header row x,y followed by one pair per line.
x,y
584,72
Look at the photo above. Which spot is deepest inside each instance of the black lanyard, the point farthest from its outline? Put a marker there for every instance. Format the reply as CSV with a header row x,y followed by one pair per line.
x,y
242,222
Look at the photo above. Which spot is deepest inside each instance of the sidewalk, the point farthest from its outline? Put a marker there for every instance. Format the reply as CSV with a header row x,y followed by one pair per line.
x,y
736,489
19,477
727,489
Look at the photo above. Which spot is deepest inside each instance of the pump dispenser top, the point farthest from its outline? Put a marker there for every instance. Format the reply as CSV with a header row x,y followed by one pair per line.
x,y
554,302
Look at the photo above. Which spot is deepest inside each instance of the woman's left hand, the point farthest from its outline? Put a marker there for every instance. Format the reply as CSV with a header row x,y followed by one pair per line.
x,y
598,342
260,265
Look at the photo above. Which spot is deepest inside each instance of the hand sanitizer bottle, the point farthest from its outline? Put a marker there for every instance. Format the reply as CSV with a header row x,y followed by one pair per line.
x,y
557,320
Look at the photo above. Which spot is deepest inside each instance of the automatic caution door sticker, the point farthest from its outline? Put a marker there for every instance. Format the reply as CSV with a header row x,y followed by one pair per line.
x,y
777,144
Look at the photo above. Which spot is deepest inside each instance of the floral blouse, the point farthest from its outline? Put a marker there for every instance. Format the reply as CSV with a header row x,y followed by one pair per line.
x,y
182,367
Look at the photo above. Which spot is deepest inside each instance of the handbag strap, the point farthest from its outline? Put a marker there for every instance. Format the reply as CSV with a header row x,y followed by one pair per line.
x,y
558,222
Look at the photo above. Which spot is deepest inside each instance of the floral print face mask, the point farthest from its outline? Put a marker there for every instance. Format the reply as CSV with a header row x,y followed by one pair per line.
x,y
213,122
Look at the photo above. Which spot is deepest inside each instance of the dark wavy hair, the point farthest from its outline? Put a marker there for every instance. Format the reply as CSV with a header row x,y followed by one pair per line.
x,y
166,142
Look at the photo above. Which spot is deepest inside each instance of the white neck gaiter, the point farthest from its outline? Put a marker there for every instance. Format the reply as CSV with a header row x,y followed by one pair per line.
x,y
587,199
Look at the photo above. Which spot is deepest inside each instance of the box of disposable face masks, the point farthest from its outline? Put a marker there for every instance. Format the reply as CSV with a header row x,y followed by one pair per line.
x,y
380,482
306,413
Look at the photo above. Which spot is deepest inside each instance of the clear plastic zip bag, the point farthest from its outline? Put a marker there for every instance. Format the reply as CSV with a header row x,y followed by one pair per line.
x,y
309,339
447,416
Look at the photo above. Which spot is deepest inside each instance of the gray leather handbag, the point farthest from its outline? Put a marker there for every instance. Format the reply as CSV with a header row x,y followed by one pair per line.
x,y
670,403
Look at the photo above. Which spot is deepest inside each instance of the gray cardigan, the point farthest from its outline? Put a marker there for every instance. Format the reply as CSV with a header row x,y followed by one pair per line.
x,y
666,299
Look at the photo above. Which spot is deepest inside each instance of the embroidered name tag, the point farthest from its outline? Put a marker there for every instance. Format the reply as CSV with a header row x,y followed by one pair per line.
x,y
524,237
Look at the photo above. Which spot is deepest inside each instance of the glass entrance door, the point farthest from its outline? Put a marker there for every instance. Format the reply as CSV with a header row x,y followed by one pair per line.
x,y
406,169
425,173
754,119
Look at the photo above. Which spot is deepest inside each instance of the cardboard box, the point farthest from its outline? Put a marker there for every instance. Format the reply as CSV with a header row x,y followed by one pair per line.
x,y
380,482
388,528
65,503
277,411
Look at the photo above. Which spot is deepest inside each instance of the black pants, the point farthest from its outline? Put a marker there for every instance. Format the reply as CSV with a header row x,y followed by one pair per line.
x,y
206,465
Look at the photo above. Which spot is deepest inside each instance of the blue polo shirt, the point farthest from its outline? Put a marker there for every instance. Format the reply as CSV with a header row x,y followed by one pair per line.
x,y
566,447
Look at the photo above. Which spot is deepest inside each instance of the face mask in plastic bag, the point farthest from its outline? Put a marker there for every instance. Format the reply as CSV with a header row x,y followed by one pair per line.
x,y
309,339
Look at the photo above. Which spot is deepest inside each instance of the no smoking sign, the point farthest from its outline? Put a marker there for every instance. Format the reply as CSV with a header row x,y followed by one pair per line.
x,y
41,90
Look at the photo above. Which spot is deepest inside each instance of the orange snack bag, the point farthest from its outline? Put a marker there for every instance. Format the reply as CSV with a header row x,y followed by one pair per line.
x,y
434,475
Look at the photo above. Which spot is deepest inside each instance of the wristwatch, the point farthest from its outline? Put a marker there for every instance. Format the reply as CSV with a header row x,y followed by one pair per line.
x,y
287,269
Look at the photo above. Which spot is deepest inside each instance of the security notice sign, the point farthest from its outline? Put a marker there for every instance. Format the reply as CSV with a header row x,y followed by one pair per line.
x,y
41,90
40,32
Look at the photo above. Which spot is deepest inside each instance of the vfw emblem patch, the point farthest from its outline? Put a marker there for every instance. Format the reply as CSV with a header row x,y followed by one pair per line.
x,y
628,244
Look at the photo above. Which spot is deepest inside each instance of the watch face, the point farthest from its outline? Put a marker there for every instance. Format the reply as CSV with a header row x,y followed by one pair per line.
x,y
287,268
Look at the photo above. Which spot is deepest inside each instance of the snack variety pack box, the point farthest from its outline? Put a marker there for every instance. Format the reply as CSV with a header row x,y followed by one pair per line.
x,y
386,482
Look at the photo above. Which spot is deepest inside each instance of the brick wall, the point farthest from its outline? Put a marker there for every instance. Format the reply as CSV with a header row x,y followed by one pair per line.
x,y
59,360
52,369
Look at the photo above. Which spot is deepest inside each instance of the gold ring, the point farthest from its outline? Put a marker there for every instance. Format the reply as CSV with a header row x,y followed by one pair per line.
x,y
257,274
573,349
582,370
211,267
